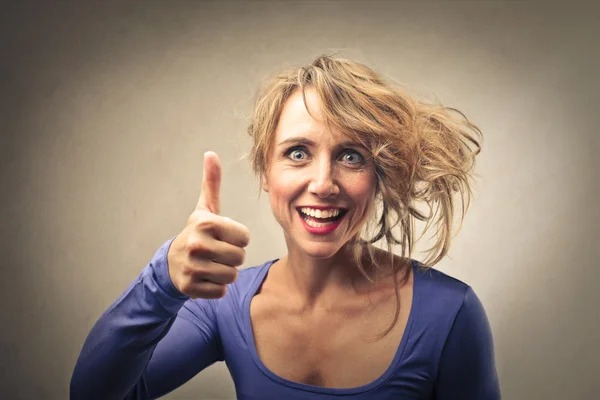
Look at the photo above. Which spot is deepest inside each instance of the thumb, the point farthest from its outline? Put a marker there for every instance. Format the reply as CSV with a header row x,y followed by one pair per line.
x,y
211,184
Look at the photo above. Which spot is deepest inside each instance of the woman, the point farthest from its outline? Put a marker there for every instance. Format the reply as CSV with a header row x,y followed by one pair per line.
x,y
344,158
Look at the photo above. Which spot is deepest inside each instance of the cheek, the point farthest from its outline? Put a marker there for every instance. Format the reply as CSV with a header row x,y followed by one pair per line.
x,y
277,186
362,191
362,188
282,189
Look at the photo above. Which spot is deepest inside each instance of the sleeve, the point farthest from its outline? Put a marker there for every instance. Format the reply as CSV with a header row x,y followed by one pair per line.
x,y
467,369
151,340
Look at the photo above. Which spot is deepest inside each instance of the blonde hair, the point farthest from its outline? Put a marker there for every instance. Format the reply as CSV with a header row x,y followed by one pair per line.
x,y
423,153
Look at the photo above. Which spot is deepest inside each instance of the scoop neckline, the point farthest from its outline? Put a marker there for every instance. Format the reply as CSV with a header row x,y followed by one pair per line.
x,y
319,389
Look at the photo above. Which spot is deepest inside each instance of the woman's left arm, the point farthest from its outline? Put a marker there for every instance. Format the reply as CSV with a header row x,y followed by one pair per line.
x,y
467,369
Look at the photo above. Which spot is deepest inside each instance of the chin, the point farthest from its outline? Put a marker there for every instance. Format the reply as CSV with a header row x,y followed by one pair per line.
x,y
321,251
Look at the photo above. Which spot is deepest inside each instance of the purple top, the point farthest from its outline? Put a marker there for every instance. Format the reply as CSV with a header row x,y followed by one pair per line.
x,y
153,339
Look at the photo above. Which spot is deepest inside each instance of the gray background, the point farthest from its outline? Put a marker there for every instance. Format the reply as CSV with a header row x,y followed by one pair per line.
x,y
107,107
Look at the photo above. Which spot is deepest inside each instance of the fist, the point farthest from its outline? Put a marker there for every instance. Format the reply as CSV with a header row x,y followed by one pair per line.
x,y
203,257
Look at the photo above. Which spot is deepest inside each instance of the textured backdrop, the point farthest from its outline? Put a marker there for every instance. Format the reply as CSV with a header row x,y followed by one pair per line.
x,y
107,107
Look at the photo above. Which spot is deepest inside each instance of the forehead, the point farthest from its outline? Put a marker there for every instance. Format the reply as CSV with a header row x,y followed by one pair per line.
x,y
296,121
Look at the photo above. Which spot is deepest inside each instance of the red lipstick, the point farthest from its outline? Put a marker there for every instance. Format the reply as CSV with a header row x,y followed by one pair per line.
x,y
322,227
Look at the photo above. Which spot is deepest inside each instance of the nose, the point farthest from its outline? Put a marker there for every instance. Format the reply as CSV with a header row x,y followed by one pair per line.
x,y
322,182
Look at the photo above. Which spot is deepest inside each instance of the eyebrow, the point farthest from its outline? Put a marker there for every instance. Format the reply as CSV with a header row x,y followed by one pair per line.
x,y
308,142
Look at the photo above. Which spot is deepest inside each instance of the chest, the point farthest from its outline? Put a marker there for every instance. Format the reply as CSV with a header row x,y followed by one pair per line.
x,y
328,349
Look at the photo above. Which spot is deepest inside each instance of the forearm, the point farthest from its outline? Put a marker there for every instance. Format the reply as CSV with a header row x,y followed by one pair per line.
x,y
119,346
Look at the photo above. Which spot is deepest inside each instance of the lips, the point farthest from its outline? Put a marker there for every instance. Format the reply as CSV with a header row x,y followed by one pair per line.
x,y
321,226
321,214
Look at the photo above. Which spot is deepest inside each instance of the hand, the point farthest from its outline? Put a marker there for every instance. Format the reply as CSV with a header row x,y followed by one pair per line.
x,y
203,257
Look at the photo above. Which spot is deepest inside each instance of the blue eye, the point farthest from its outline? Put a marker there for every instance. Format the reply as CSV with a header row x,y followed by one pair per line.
x,y
296,154
353,157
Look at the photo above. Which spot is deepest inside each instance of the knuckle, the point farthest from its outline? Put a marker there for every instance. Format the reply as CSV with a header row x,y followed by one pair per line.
x,y
206,222
187,270
196,245
201,273
186,288
194,272
192,244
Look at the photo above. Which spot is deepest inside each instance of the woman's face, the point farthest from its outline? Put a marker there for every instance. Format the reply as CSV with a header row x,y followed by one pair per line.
x,y
321,185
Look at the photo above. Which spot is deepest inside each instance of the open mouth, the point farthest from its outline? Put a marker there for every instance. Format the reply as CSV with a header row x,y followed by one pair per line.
x,y
319,219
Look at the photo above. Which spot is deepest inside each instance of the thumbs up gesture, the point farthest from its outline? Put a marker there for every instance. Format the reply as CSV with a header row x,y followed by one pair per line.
x,y
203,257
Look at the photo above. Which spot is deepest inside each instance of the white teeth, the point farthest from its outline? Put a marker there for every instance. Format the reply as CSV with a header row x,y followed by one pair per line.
x,y
320,213
318,224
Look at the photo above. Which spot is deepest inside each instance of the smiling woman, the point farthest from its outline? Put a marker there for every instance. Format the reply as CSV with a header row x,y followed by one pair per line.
x,y
334,147
311,167
411,152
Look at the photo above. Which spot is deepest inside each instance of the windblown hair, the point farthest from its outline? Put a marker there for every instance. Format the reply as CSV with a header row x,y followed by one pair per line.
x,y
423,153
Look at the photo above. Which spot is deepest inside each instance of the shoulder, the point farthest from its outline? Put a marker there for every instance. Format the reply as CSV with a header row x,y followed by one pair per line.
x,y
437,278
442,298
450,314
438,287
465,347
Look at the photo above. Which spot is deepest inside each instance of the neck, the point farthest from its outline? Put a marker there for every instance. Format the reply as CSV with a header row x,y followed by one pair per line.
x,y
322,283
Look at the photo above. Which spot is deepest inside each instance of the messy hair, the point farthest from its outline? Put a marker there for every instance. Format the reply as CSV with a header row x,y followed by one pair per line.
x,y
423,153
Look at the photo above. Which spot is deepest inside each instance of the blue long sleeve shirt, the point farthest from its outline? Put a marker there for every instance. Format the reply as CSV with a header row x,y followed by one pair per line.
x,y
153,339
